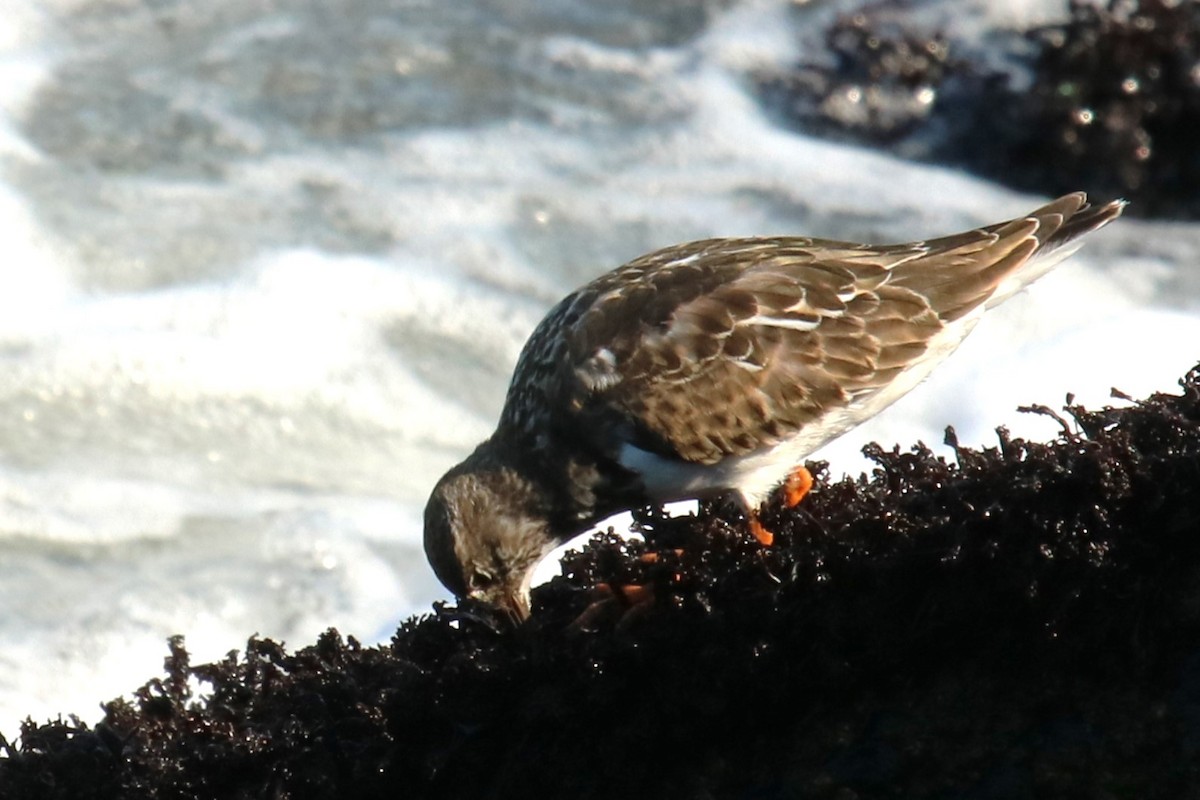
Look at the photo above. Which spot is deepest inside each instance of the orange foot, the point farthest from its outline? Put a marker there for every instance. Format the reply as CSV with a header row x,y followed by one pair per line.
x,y
764,536
799,481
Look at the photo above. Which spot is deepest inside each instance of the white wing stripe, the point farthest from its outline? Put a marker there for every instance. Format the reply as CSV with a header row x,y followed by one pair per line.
x,y
792,323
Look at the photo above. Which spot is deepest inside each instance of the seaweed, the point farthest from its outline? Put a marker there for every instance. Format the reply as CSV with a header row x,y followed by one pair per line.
x,y
1019,620
1107,101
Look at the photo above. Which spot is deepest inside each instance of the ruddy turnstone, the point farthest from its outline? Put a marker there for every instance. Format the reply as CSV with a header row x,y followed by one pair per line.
x,y
714,367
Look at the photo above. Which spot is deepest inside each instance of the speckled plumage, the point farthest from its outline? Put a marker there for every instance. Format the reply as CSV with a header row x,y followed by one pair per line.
x,y
716,366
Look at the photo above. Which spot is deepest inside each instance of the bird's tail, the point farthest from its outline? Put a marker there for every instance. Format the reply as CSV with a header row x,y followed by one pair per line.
x,y
964,274
1060,225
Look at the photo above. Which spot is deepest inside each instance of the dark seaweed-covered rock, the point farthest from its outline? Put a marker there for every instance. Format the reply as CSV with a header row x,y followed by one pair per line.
x,y
1115,104
879,88
1023,622
1110,102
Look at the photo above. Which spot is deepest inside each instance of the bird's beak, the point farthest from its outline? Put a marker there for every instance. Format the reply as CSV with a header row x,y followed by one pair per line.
x,y
514,603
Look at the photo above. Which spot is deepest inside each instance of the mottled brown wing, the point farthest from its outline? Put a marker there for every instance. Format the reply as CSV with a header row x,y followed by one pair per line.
x,y
721,347
786,330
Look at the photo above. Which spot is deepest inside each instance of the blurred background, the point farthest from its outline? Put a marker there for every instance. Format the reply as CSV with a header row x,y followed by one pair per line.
x,y
266,265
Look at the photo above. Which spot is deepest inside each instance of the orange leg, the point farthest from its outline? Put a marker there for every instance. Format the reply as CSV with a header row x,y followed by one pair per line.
x,y
798,482
624,602
652,557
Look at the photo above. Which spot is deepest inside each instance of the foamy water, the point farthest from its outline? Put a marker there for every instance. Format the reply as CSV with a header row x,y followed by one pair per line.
x,y
264,275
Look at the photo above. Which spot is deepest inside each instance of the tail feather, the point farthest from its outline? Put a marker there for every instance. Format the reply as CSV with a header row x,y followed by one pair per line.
x,y
1060,226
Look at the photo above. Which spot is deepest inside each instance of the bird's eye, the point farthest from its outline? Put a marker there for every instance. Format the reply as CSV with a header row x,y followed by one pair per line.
x,y
480,579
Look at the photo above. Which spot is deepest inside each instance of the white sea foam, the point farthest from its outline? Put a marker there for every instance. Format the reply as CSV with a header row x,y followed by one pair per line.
x,y
260,288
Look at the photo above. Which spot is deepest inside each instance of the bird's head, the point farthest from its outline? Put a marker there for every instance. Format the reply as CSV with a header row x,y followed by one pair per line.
x,y
485,531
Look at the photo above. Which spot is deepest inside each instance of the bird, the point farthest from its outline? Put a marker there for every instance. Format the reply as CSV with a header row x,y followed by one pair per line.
x,y
712,369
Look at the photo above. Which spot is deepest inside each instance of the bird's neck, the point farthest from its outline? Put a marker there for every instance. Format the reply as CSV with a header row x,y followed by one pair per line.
x,y
573,485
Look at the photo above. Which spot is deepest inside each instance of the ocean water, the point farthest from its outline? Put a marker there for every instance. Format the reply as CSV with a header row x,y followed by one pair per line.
x,y
265,267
